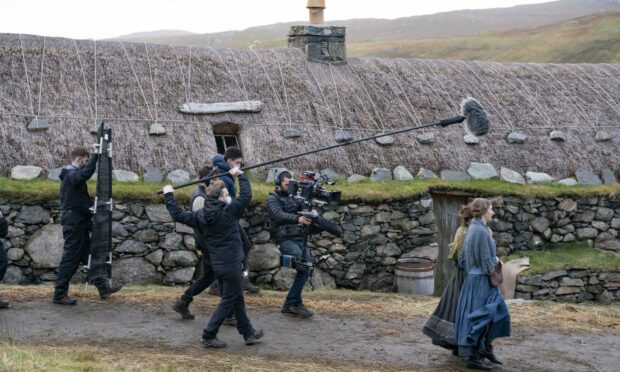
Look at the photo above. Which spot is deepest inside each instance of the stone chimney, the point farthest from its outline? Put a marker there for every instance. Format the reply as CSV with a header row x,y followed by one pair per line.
x,y
316,11
318,41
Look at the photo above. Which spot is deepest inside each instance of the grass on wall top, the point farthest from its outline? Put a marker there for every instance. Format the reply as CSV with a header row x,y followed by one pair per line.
x,y
371,192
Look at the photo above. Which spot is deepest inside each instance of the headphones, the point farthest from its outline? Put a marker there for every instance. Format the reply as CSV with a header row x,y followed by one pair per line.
x,y
279,174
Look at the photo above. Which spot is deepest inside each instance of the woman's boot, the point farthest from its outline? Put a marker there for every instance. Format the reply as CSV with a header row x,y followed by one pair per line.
x,y
477,362
490,355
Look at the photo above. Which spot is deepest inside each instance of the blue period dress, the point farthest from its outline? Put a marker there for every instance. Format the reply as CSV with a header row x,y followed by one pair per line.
x,y
481,314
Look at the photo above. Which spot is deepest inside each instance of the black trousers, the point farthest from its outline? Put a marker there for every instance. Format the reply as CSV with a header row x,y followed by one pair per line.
x,y
231,282
76,229
206,278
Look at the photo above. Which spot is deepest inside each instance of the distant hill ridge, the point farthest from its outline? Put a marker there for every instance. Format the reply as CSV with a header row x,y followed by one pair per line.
x,y
441,25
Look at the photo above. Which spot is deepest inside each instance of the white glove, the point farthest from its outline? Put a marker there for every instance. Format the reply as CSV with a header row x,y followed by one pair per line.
x,y
168,189
236,171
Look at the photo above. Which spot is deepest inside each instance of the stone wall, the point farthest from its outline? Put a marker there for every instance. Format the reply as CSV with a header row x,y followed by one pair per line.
x,y
573,285
149,248
535,223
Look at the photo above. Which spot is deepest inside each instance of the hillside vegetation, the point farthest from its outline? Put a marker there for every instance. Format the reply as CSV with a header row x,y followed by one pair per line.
x,y
566,31
592,39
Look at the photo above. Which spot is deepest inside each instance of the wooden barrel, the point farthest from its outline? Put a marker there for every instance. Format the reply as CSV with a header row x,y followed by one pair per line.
x,y
415,276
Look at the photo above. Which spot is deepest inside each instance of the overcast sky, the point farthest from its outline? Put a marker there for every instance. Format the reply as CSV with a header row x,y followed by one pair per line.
x,y
98,19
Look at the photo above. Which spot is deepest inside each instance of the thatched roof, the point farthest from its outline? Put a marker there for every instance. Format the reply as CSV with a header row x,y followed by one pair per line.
x,y
138,84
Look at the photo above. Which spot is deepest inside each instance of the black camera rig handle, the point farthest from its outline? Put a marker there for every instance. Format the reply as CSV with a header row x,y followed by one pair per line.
x,y
310,214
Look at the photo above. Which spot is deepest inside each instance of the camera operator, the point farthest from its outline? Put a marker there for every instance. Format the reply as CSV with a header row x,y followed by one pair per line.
x,y
289,229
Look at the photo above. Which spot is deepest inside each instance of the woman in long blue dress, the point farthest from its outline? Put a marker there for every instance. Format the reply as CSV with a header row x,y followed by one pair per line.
x,y
482,314
440,326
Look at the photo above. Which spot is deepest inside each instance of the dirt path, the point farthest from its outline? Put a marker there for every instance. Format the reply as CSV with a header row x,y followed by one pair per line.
x,y
397,344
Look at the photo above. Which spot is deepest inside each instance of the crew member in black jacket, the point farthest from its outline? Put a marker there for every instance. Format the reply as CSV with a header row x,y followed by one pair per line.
x,y
207,276
77,224
234,158
217,223
4,261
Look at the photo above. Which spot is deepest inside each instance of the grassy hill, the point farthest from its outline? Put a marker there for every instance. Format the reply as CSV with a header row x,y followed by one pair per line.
x,y
558,31
591,39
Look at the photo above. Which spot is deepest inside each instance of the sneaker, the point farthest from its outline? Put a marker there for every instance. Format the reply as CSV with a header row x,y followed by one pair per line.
x,y
106,290
230,321
4,304
182,307
213,342
254,337
301,311
65,300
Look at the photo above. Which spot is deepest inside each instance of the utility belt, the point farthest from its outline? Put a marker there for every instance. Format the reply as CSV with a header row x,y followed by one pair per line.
x,y
289,232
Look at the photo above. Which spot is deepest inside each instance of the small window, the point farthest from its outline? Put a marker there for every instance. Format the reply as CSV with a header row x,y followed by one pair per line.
x,y
224,141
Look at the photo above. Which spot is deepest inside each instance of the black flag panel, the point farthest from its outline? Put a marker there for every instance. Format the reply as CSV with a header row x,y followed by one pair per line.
x,y
100,258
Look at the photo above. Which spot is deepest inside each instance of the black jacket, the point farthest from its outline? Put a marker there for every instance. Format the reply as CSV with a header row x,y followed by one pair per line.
x,y
283,213
218,225
73,189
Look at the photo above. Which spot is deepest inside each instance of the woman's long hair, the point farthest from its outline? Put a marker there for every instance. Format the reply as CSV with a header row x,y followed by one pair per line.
x,y
466,214
480,206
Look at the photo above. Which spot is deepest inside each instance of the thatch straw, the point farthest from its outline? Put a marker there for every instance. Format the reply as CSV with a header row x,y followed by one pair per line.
x,y
365,96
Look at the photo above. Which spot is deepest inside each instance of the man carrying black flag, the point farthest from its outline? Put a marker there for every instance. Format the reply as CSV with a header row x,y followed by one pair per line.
x,y
77,224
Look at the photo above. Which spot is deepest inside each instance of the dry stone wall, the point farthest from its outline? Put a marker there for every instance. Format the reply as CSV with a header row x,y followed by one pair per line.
x,y
149,248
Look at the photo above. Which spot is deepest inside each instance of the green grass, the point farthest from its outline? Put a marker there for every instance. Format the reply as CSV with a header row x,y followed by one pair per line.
x,y
18,358
372,192
574,254
123,357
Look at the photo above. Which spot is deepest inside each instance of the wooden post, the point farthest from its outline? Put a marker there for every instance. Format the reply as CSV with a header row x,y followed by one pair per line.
x,y
446,206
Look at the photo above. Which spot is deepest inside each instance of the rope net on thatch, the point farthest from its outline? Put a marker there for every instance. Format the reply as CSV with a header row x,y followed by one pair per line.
x,y
130,86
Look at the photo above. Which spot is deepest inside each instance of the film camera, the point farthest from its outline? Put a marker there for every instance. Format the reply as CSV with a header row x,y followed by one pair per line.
x,y
307,263
292,261
310,189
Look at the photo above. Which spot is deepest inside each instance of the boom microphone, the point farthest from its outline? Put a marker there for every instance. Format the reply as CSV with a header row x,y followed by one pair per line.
x,y
477,121
453,120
